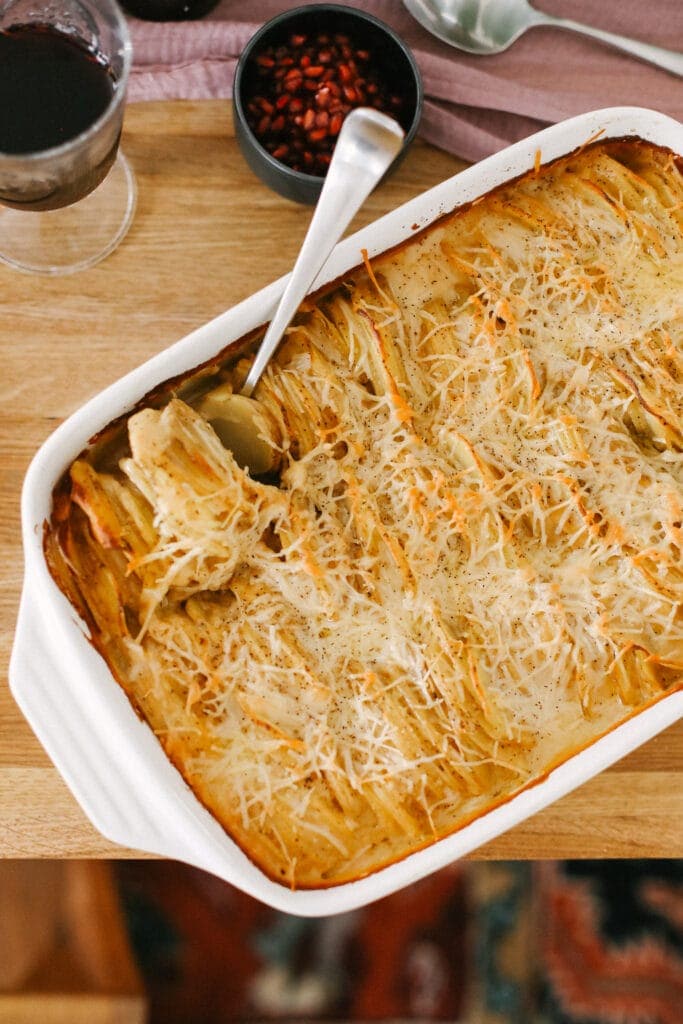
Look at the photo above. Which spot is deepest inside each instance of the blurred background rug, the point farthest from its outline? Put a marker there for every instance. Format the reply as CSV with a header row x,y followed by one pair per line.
x,y
582,942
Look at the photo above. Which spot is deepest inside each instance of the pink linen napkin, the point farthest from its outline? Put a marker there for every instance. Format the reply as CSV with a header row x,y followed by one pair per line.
x,y
473,105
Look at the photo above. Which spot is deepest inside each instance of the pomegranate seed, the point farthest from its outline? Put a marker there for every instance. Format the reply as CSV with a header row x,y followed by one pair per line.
x,y
307,85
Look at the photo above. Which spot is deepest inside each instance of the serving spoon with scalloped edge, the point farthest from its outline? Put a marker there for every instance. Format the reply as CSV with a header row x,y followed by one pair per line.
x,y
490,26
368,143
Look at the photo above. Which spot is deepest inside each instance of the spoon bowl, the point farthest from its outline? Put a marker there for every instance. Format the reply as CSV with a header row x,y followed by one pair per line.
x,y
475,26
490,26
245,427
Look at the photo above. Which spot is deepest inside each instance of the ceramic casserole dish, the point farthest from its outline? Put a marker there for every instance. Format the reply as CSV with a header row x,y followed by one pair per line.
x,y
107,755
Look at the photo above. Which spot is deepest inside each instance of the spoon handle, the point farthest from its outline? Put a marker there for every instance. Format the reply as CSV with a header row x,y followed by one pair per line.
x,y
368,143
667,59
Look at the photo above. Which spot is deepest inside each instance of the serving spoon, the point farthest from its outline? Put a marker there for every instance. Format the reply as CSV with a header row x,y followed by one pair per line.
x,y
368,143
490,26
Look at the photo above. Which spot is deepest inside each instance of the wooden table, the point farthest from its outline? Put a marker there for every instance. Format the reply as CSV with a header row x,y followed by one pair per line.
x,y
207,234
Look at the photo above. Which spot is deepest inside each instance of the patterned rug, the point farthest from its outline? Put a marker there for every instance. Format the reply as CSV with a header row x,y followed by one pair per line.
x,y
611,945
581,942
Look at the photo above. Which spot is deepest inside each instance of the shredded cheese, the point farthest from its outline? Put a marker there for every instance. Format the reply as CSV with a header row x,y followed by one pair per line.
x,y
470,566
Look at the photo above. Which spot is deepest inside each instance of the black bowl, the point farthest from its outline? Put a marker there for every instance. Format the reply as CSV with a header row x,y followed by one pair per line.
x,y
393,65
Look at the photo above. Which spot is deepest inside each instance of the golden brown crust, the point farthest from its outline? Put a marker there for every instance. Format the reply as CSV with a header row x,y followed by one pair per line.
x,y
470,565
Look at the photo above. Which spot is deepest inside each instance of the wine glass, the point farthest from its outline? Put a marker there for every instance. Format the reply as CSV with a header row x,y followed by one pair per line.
x,y
67,193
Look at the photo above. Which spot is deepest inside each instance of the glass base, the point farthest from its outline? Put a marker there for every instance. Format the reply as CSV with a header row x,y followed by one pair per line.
x,y
75,237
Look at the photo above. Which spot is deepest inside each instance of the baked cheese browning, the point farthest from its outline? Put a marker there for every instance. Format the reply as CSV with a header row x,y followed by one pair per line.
x,y
470,566
206,510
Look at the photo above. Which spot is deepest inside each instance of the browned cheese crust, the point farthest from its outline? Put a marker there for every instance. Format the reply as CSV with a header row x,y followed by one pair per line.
x,y
468,565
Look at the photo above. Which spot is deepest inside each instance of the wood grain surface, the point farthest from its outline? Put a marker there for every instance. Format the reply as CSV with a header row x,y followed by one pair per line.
x,y
207,234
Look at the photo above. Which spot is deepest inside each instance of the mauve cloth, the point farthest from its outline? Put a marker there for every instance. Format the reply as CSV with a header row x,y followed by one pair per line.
x,y
473,105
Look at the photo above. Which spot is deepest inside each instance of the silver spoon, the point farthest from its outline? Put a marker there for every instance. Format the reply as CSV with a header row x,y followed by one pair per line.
x,y
368,143
490,26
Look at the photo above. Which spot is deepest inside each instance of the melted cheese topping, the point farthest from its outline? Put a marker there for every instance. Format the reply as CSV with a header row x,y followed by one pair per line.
x,y
471,564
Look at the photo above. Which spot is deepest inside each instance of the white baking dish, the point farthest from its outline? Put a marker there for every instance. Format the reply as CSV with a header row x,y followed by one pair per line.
x,y
109,758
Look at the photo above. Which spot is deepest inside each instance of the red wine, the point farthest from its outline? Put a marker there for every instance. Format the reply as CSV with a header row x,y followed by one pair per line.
x,y
52,88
